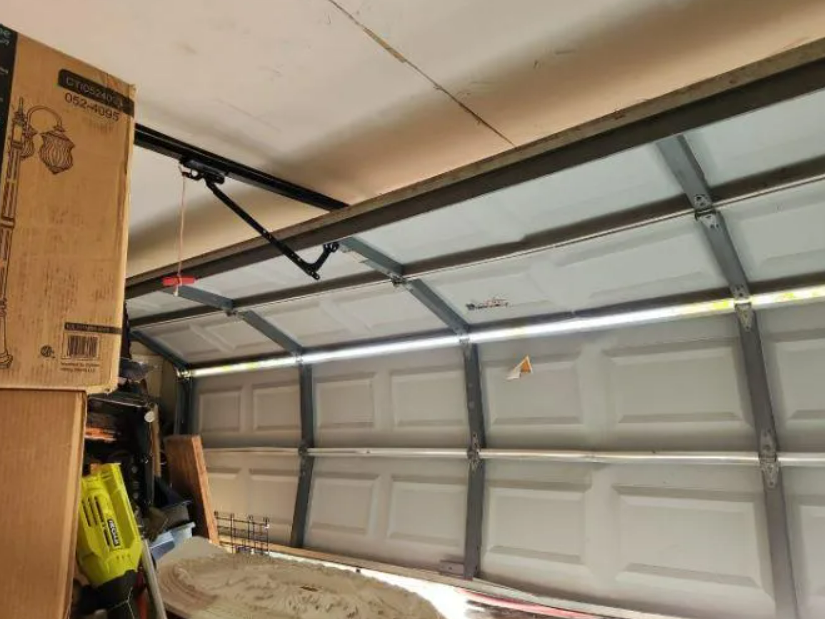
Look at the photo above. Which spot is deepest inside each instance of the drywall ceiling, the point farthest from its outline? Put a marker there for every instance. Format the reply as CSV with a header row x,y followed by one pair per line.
x,y
355,98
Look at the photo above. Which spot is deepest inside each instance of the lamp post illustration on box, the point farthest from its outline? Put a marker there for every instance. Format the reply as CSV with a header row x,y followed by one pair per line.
x,y
56,154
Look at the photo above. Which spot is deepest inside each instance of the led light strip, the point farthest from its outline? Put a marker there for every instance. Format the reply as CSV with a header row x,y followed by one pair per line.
x,y
542,329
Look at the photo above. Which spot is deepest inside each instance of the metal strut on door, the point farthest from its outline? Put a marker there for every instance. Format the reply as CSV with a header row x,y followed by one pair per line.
x,y
212,177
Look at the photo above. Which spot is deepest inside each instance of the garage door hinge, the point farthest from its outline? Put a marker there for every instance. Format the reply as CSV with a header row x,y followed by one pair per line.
x,y
303,454
768,460
474,452
744,312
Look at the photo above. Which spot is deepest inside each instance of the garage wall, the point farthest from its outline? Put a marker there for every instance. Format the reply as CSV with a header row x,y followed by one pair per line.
x,y
689,540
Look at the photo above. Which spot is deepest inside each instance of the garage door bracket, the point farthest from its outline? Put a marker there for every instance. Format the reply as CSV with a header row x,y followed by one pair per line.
x,y
197,171
768,460
744,312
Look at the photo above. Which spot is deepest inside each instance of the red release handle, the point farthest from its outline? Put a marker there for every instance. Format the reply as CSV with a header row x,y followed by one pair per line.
x,y
182,280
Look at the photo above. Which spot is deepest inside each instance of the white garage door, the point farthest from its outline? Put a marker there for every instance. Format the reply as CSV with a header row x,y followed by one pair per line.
x,y
690,540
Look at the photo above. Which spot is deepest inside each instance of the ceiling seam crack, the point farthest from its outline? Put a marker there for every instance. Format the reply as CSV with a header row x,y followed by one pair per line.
x,y
404,60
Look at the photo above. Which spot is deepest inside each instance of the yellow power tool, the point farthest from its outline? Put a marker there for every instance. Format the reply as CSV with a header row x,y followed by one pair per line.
x,y
109,545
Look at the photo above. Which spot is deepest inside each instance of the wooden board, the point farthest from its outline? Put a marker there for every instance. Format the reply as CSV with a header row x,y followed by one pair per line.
x,y
187,474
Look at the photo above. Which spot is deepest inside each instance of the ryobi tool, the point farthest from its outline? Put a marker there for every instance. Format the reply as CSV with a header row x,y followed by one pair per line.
x,y
108,540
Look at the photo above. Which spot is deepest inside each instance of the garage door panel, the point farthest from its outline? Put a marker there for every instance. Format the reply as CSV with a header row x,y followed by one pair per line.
x,y
535,527
675,386
780,236
409,400
220,412
688,551
548,404
439,499
805,490
794,344
212,339
765,139
277,274
614,183
691,539
552,396
520,512
344,504
346,403
272,494
274,408
349,315
256,409
254,485
228,486
408,511
156,303
663,259
429,399
675,383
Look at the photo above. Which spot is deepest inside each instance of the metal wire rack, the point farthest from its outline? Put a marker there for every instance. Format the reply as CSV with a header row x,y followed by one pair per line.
x,y
249,535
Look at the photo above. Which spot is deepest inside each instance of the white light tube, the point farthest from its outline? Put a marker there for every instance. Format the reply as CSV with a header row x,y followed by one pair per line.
x,y
573,325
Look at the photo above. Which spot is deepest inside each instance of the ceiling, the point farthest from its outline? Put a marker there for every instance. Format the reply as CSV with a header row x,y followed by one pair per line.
x,y
778,235
355,98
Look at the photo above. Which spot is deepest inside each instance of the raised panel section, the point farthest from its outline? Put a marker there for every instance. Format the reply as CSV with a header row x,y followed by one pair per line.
x,y
433,399
214,338
235,335
382,310
346,403
428,510
534,525
793,338
272,494
692,540
276,408
689,540
343,504
227,487
254,484
404,511
183,340
805,492
549,396
800,362
811,515
675,384
775,243
220,411
407,400
308,321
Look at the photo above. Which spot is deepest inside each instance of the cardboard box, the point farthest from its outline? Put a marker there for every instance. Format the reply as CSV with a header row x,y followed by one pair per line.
x,y
67,131
40,469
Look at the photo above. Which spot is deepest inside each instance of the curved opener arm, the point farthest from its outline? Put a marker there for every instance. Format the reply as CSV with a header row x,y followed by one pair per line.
x,y
310,268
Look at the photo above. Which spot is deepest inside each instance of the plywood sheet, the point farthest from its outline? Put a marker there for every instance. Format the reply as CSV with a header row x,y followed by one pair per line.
x,y
188,476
